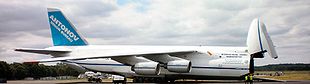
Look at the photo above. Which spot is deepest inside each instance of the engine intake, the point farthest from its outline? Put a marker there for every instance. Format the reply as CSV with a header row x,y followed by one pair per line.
x,y
179,66
146,68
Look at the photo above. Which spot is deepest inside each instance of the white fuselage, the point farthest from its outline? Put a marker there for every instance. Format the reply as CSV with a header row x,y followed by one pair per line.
x,y
208,61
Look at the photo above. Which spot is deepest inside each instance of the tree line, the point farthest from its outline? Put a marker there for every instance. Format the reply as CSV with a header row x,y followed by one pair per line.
x,y
284,67
17,71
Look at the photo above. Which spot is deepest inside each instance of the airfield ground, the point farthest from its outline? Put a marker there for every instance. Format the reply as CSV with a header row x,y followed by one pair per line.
x,y
289,77
80,81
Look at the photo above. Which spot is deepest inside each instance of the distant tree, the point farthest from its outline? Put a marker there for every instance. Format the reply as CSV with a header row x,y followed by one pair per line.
x,y
33,70
61,69
71,72
4,70
18,71
284,67
42,72
65,70
53,71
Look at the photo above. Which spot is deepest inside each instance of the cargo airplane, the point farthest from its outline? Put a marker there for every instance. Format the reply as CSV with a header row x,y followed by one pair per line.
x,y
155,63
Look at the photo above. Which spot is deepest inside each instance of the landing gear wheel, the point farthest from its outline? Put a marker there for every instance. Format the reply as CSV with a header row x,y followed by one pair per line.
x,y
89,80
98,80
138,80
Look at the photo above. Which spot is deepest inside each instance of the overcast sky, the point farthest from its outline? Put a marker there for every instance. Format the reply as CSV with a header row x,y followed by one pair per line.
x,y
161,22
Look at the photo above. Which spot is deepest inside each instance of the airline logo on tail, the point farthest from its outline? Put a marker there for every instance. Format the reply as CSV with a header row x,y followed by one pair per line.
x,y
63,32
63,29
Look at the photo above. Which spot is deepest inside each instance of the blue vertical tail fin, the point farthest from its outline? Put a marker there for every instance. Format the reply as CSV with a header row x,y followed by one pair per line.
x,y
63,32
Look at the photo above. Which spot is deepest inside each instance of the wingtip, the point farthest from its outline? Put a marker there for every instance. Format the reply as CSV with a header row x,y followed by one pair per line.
x,y
17,49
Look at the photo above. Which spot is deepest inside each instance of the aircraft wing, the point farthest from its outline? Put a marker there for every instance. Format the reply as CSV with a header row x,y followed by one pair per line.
x,y
41,51
110,56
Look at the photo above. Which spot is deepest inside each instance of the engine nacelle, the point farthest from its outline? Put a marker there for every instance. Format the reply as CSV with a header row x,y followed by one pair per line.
x,y
146,68
179,66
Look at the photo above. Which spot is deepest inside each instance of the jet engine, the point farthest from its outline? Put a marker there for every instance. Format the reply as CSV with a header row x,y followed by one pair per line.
x,y
179,66
146,68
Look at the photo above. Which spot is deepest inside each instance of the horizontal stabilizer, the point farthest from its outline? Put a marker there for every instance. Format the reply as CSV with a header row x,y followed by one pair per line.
x,y
41,51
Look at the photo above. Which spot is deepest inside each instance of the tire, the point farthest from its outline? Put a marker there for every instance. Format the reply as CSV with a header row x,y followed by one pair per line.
x,y
3,80
89,80
98,80
125,80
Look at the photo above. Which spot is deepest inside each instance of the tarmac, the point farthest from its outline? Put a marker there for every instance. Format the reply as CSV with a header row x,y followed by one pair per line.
x,y
105,81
